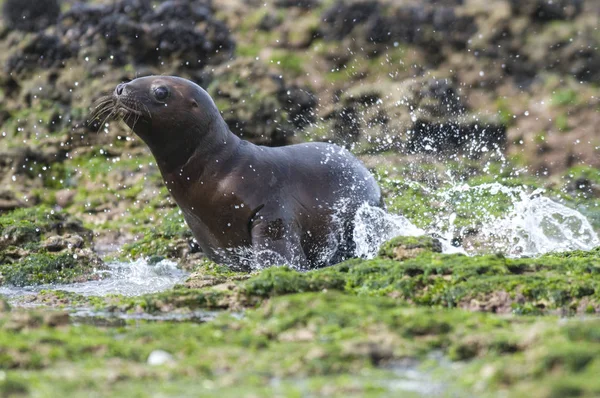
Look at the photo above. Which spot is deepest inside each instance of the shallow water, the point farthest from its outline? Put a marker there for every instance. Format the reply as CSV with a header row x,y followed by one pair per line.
x,y
115,319
129,279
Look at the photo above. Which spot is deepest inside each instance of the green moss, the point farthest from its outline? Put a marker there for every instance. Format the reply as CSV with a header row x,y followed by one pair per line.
x,y
314,339
42,268
24,227
408,243
504,112
584,172
565,96
40,217
562,123
567,282
289,62
161,240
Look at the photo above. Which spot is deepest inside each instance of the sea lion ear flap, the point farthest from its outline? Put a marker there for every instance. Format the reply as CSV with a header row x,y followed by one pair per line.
x,y
195,103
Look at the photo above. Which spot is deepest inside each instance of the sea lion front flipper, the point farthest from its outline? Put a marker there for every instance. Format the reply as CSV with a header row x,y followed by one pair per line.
x,y
276,241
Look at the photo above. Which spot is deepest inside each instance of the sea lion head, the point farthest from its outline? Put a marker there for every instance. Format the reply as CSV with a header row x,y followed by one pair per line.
x,y
173,116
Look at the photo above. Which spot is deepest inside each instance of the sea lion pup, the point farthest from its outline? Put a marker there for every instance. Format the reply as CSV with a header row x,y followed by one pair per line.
x,y
248,206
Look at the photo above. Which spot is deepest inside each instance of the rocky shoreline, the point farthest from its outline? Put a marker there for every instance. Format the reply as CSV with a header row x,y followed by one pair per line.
x,y
431,95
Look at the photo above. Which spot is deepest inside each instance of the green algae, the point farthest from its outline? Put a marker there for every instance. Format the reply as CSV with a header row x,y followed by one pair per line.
x,y
26,227
303,338
403,247
564,283
164,240
42,268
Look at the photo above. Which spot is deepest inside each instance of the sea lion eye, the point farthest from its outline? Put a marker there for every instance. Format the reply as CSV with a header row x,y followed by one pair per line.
x,y
161,93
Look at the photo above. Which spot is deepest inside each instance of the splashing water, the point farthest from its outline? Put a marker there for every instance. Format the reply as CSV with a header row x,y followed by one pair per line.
x,y
540,225
530,224
130,279
374,226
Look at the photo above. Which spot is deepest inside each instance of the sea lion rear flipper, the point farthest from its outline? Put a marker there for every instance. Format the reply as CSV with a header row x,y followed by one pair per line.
x,y
276,241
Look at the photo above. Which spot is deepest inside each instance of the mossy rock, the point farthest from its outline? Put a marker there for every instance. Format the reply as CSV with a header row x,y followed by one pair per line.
x,y
42,268
27,225
565,283
322,339
404,247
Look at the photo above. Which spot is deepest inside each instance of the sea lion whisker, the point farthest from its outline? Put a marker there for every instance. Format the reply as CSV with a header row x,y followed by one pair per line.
x,y
111,114
97,117
101,118
147,111
128,109
102,100
134,116
100,112
137,116
101,105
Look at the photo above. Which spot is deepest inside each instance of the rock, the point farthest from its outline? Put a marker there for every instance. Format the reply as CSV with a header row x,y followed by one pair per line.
x,y
545,10
54,319
66,266
431,26
58,243
134,32
22,320
4,306
40,51
416,116
64,197
18,234
297,335
30,15
160,357
306,4
8,201
269,21
406,247
258,105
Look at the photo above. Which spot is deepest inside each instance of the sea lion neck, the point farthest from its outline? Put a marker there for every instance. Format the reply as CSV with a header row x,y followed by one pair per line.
x,y
198,153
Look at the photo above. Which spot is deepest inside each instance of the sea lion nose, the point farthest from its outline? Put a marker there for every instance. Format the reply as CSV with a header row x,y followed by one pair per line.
x,y
119,89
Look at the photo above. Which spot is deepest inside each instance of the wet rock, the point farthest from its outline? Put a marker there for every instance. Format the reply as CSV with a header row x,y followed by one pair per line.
x,y
4,306
57,243
342,18
39,51
181,10
376,351
306,4
13,235
64,197
299,103
8,201
66,266
54,319
269,22
405,247
544,10
257,104
30,15
25,227
416,116
297,335
428,25
135,32
22,320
